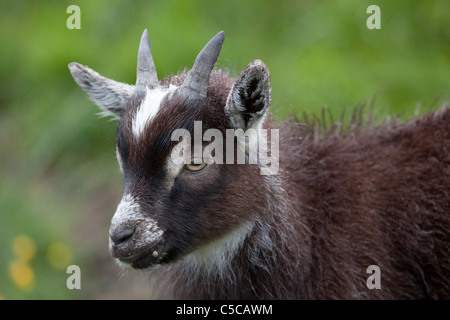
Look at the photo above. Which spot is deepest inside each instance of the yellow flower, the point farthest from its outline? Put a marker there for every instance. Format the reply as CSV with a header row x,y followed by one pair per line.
x,y
22,274
24,248
59,255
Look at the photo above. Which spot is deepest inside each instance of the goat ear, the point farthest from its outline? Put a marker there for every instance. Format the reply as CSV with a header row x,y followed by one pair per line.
x,y
111,96
249,98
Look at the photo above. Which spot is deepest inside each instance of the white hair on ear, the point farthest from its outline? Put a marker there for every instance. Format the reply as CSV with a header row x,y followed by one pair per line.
x,y
249,98
109,95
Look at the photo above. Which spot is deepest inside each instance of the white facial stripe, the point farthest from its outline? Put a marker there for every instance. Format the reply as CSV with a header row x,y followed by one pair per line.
x,y
129,212
174,167
149,108
119,159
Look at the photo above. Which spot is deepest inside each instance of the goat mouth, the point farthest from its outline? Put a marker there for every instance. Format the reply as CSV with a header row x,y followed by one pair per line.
x,y
144,258
149,258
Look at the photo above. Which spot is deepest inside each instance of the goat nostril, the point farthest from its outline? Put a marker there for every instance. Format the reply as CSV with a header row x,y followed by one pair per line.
x,y
121,235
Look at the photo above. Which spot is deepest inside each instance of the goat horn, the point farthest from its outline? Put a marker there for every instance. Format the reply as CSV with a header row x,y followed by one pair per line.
x,y
146,71
197,80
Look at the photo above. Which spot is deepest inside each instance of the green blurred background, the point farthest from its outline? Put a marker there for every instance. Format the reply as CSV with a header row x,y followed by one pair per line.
x,y
59,181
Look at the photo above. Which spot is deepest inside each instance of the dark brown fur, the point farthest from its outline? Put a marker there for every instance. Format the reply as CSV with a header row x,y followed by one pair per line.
x,y
376,196
340,203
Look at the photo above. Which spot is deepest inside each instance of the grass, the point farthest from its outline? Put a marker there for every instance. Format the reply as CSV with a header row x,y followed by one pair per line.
x,y
59,182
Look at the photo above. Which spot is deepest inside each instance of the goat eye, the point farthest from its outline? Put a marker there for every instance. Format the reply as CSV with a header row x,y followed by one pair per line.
x,y
195,167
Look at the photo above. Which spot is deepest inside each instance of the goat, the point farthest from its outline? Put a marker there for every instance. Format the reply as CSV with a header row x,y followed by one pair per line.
x,y
339,203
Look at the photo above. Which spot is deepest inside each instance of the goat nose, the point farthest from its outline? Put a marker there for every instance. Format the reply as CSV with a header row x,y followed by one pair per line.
x,y
120,235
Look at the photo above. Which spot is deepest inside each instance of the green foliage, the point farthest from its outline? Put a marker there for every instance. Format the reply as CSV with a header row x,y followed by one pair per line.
x,y
59,182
